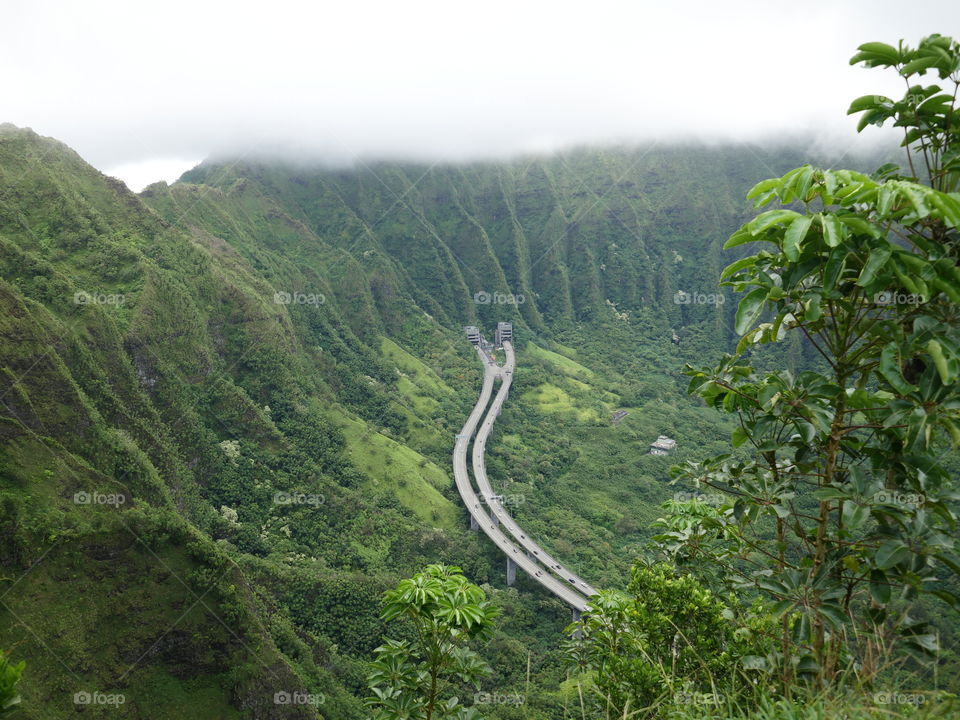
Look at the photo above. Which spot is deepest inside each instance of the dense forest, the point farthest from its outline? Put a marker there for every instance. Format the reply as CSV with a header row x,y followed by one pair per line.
x,y
228,406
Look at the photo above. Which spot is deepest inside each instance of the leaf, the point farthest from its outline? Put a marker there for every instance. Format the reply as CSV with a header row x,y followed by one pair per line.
x,y
739,436
805,430
773,586
891,553
879,587
798,184
948,597
891,371
854,516
878,258
885,200
795,235
851,563
808,665
735,267
749,309
926,642
947,287
762,187
770,218
834,615
918,65
861,226
936,352
876,53
873,117
906,280
915,194
866,102
954,432
832,269
832,229
831,492
948,206
741,236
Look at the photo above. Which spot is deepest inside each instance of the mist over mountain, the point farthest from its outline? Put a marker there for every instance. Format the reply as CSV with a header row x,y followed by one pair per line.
x,y
431,82
514,361
258,328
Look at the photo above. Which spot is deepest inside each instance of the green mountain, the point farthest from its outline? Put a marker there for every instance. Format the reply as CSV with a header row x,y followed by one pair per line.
x,y
228,405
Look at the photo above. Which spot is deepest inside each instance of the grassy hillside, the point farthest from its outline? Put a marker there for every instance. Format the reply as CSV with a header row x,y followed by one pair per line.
x,y
228,405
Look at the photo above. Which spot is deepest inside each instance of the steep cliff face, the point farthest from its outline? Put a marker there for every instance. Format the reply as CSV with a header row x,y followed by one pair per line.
x,y
570,234
227,405
156,400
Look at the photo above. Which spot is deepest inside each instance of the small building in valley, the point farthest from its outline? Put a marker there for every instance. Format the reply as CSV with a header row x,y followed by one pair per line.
x,y
473,334
662,445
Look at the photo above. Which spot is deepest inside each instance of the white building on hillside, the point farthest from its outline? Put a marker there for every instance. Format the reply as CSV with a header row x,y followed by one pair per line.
x,y
662,445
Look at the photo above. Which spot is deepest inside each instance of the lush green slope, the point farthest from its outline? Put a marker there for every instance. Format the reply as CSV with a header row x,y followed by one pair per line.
x,y
266,362
571,234
154,386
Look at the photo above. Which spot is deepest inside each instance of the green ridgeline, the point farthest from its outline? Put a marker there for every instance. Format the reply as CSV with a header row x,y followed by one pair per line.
x,y
266,363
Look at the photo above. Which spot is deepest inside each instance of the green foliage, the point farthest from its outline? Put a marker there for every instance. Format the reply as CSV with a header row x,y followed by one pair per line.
x,y
845,513
665,639
925,112
412,679
904,705
9,677
353,400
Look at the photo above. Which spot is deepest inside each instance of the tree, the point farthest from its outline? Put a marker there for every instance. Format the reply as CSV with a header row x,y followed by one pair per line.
x,y
667,641
411,680
9,678
843,513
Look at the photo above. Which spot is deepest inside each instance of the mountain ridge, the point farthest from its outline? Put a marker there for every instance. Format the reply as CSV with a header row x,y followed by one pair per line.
x,y
253,331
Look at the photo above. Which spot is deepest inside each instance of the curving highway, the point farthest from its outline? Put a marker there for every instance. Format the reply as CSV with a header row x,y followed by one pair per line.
x,y
493,500
538,564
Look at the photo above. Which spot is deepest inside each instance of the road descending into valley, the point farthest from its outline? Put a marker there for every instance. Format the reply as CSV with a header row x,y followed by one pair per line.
x,y
494,500
532,559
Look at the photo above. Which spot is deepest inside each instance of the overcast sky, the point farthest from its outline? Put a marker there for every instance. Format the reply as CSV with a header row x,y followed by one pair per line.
x,y
145,90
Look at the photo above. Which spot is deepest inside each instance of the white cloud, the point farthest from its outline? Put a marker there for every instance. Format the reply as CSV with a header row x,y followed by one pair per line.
x,y
137,175
127,83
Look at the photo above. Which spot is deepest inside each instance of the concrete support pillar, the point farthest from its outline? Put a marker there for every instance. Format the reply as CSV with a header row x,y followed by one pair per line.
x,y
576,618
474,525
511,572
496,520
